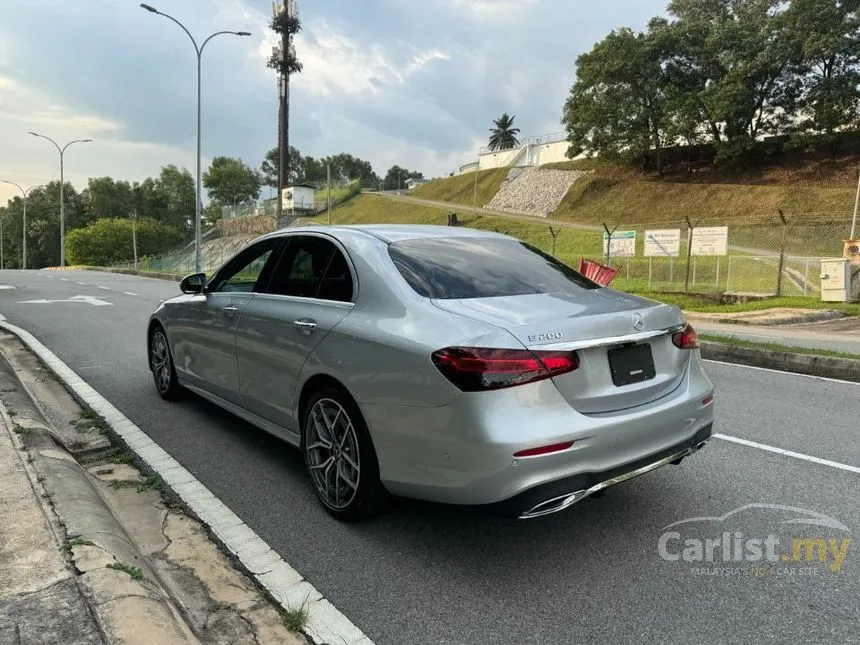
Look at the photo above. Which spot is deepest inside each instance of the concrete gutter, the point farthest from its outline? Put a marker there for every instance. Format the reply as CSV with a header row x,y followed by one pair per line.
x,y
845,369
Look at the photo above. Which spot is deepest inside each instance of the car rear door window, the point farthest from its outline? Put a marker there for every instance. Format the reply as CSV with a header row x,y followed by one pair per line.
x,y
457,268
312,267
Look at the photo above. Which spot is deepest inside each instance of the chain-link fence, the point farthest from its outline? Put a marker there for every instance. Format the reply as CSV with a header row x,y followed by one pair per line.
x,y
779,255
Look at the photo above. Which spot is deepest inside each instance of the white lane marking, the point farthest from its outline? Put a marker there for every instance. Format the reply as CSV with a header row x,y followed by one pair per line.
x,y
83,284
789,453
784,373
325,623
2,317
104,288
5,287
98,302
129,293
64,279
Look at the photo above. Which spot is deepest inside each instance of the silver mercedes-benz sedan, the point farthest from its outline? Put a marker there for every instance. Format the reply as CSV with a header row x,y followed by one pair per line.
x,y
438,363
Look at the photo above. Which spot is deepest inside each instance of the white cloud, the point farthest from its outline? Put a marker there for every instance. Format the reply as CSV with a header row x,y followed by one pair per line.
x,y
29,161
506,11
334,63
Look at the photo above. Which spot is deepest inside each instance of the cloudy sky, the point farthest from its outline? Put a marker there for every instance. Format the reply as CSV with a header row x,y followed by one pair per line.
x,y
413,82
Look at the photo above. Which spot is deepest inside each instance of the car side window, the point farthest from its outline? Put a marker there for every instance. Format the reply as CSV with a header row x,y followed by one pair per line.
x,y
312,267
243,272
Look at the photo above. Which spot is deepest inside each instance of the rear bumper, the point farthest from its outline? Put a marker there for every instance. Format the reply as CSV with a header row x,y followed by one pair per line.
x,y
558,495
463,453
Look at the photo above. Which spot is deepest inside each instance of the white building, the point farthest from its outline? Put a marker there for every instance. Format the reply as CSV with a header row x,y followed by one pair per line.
x,y
533,151
298,197
413,182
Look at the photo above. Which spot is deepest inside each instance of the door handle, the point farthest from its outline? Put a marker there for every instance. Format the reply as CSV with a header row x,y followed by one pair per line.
x,y
229,311
305,326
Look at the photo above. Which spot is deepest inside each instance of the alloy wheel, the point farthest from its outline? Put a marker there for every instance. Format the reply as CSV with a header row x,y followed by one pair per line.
x,y
333,455
160,357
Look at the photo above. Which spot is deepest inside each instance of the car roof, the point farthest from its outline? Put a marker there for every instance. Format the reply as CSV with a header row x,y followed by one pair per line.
x,y
390,233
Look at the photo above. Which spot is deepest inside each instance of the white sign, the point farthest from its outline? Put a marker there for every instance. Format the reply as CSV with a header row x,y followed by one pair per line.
x,y
623,244
98,302
710,240
664,243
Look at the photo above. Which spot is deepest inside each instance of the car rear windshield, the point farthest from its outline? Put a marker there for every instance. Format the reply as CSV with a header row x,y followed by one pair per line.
x,y
455,268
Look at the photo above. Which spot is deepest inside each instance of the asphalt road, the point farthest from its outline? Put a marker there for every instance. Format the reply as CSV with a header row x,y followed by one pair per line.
x,y
426,574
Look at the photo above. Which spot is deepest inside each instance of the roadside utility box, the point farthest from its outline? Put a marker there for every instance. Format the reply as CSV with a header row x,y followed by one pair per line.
x,y
840,277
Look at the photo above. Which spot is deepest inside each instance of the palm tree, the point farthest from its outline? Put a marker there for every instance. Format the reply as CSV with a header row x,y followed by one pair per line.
x,y
504,136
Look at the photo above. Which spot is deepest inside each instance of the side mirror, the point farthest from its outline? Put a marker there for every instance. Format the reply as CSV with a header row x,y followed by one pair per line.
x,y
193,283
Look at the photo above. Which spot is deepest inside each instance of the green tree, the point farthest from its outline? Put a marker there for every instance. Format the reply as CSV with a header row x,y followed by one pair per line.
x,y
618,105
107,197
347,168
270,167
828,37
396,177
176,188
108,241
503,135
231,182
733,61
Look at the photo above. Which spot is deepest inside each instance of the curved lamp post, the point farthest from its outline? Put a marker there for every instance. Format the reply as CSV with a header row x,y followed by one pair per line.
x,y
24,193
198,258
62,151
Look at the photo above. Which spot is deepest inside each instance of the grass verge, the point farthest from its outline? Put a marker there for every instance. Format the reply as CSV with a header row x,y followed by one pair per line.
x,y
775,347
706,304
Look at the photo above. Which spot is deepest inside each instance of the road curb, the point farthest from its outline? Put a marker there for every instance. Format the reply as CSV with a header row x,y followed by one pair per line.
x,y
845,369
325,624
69,496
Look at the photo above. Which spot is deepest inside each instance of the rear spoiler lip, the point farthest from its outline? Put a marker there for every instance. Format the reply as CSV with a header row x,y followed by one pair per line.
x,y
610,340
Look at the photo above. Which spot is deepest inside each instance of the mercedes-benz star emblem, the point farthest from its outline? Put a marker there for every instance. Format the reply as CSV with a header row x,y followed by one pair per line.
x,y
638,321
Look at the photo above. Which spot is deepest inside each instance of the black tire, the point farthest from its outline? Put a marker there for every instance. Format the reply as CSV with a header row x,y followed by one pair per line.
x,y
345,503
161,360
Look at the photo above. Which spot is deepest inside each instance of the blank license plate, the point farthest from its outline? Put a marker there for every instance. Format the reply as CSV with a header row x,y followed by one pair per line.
x,y
632,364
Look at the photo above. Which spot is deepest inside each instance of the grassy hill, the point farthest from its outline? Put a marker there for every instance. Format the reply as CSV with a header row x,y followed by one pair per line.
x,y
620,194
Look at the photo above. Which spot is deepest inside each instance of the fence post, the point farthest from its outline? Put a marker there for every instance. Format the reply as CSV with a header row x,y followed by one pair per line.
x,y
782,244
806,277
717,284
608,242
690,227
554,235
729,274
695,264
650,267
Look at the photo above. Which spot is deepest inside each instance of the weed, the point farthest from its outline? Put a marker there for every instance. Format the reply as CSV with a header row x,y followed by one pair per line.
x,y
80,542
112,456
153,482
77,444
21,430
295,619
133,572
11,412
91,421
124,483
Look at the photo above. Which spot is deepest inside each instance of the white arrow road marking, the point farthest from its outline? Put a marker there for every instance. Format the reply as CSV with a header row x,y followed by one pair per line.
x,y
6,286
88,299
104,288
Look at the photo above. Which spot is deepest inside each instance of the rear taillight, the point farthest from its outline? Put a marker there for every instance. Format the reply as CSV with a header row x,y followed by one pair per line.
x,y
687,338
476,369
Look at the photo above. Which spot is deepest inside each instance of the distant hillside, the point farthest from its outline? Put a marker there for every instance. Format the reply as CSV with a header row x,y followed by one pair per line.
x,y
623,194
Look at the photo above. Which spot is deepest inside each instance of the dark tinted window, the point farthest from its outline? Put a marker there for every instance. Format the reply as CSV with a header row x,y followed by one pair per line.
x,y
455,268
312,267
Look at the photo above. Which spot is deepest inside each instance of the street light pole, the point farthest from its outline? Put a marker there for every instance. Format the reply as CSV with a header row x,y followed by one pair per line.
x,y
24,193
198,250
62,151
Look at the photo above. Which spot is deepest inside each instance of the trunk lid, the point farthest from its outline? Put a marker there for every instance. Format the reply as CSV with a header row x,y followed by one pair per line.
x,y
596,324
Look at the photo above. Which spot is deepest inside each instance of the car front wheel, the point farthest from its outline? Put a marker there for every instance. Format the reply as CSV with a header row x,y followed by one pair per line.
x,y
340,457
161,365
